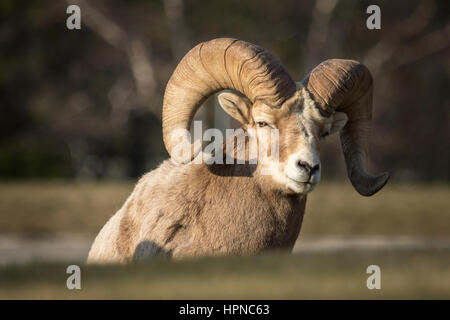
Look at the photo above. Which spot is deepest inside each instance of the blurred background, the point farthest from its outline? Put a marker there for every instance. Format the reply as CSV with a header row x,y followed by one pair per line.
x,y
80,121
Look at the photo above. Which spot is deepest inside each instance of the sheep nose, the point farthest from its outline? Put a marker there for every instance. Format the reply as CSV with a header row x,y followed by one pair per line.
x,y
307,167
315,168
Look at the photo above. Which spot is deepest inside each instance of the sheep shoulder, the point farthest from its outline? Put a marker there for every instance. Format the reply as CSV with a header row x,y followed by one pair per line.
x,y
195,209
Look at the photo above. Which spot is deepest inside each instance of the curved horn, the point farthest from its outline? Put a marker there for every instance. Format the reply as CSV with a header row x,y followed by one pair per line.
x,y
346,86
213,66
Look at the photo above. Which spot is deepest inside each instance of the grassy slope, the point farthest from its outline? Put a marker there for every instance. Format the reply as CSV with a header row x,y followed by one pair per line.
x,y
270,276
332,209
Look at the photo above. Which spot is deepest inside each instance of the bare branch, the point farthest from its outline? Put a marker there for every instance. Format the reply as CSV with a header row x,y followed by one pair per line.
x,y
175,18
132,46
142,68
319,30
383,51
100,24
422,47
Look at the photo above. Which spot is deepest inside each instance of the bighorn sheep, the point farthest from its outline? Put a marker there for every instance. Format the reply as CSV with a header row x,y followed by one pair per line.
x,y
192,209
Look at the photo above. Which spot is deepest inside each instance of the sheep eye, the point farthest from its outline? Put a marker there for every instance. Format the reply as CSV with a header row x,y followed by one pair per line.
x,y
262,124
324,134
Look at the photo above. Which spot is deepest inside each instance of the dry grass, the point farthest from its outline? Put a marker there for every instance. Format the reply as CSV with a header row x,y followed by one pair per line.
x,y
59,207
420,210
332,209
272,276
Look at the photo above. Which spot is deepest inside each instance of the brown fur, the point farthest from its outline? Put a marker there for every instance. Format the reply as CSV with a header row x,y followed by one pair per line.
x,y
124,240
196,212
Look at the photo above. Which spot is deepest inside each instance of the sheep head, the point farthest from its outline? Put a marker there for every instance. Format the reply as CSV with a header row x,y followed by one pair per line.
x,y
335,97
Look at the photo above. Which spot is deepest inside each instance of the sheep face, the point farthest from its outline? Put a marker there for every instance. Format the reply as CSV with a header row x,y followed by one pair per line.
x,y
299,128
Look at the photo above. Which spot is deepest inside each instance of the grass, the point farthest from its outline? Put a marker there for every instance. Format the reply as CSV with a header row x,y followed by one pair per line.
x,y
59,207
332,209
420,210
271,276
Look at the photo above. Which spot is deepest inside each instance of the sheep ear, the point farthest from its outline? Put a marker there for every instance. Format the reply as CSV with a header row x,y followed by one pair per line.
x,y
236,106
339,121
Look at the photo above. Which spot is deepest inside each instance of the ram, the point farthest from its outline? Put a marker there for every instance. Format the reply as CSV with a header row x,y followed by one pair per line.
x,y
185,208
